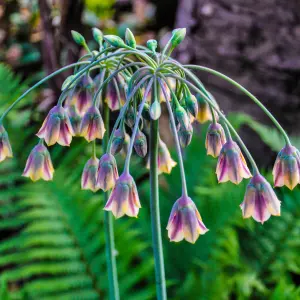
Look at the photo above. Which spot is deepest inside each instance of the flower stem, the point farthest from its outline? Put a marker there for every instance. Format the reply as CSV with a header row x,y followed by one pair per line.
x,y
155,214
245,91
109,230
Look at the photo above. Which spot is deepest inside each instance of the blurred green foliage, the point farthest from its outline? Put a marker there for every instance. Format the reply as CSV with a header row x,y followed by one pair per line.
x,y
52,236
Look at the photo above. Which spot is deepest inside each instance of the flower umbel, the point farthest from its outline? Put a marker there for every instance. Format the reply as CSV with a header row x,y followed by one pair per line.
x,y
5,147
57,127
215,139
92,126
107,172
232,165
260,200
286,170
89,175
185,221
39,164
124,198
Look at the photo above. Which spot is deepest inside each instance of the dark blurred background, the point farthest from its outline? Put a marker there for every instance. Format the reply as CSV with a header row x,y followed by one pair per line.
x,y
51,234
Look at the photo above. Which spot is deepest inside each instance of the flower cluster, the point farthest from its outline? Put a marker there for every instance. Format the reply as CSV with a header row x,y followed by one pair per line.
x,y
139,89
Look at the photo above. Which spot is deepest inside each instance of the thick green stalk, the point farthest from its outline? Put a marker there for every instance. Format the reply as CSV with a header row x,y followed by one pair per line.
x,y
109,230
155,214
245,91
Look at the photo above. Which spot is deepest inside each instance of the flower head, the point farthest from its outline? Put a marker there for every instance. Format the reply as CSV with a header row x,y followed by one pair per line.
x,y
5,147
286,170
57,127
260,200
185,221
124,198
89,175
92,126
215,139
39,164
107,172
232,164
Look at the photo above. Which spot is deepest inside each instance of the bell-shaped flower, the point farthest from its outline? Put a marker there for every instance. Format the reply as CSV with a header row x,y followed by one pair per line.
x,y
92,126
232,164
204,111
39,164
185,135
89,175
260,200
57,127
140,144
107,172
5,147
185,221
112,99
124,198
75,119
286,170
215,139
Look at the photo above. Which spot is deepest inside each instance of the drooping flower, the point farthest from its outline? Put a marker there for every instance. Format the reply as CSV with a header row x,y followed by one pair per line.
x,y
107,172
185,135
39,164
112,100
215,139
5,147
232,164
92,126
286,170
89,175
140,144
57,127
124,198
185,221
204,111
118,141
165,163
75,119
260,200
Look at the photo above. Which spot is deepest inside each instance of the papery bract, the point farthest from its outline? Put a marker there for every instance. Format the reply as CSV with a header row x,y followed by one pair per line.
x,y
286,170
124,198
39,164
232,165
215,139
89,175
57,127
92,126
185,221
107,172
260,200
5,147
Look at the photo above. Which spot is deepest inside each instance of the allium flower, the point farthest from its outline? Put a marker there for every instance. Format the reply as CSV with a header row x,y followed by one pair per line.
x,y
92,126
286,170
5,147
185,135
75,119
118,141
185,221
140,144
107,172
204,112
232,164
39,164
124,198
260,200
215,139
89,175
112,99
57,127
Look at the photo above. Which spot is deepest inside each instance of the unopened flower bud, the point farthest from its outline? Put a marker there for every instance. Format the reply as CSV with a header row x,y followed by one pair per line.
x,y
140,144
129,38
89,175
191,104
182,118
146,112
39,164
115,41
178,36
78,38
130,117
5,147
118,141
98,35
185,135
155,110
152,45
215,139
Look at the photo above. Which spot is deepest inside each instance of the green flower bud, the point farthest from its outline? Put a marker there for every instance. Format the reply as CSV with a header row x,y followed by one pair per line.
x,y
152,45
78,38
146,112
178,36
185,135
130,117
114,40
155,110
182,117
98,35
129,38
118,141
192,104
140,144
